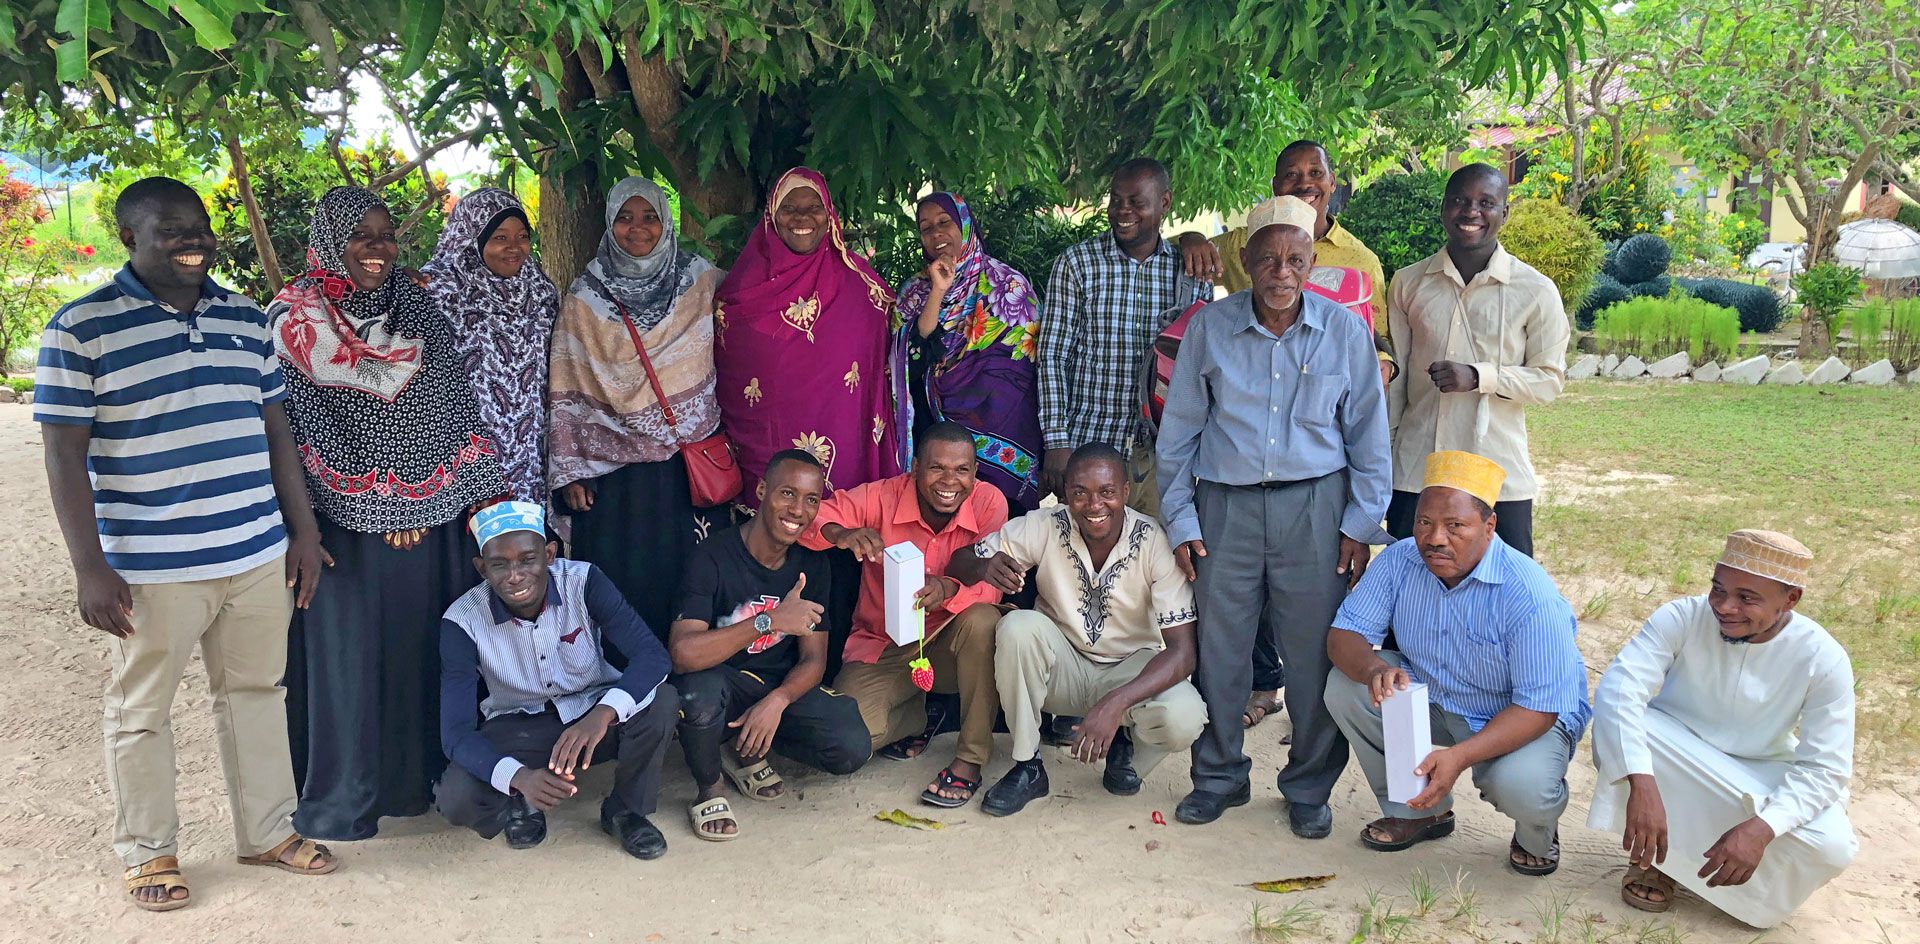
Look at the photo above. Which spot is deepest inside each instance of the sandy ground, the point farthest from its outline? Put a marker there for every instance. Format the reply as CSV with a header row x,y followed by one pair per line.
x,y
1080,866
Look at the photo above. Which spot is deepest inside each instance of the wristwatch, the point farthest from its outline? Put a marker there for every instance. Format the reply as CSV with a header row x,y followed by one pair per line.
x,y
763,623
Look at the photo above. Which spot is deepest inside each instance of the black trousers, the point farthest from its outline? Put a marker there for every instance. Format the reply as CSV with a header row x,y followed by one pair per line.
x,y
821,729
637,745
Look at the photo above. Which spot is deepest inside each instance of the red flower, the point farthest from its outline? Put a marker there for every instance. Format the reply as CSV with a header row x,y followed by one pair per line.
x,y
27,243
87,251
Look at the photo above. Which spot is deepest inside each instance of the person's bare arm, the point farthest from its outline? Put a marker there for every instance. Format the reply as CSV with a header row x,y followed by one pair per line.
x,y
1094,735
694,647
106,602
305,556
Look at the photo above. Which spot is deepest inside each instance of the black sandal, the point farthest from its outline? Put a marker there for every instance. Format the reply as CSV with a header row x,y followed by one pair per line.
x,y
907,748
948,780
1514,851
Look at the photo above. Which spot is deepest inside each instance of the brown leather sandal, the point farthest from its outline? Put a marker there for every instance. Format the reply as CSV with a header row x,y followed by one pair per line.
x,y
1259,706
1406,833
1652,879
161,872
306,854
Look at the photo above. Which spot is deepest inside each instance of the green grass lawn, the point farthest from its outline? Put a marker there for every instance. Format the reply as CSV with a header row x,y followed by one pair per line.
x,y
1643,482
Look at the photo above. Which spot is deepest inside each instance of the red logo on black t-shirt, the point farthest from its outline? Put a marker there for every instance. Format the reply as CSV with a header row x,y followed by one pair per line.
x,y
746,612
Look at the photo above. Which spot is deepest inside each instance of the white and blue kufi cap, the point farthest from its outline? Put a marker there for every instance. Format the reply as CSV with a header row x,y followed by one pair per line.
x,y
507,516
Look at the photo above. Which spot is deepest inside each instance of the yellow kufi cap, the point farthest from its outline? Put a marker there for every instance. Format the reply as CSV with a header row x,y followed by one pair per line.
x,y
1478,476
1288,210
1768,554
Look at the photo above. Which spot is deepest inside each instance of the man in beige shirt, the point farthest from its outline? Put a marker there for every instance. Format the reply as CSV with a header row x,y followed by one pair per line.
x,y
1112,638
1479,336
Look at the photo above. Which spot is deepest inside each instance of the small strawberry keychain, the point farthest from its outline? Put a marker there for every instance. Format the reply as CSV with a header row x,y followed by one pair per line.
x,y
922,669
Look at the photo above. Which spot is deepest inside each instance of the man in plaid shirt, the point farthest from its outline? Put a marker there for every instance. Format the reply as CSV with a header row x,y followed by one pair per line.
x,y
1108,299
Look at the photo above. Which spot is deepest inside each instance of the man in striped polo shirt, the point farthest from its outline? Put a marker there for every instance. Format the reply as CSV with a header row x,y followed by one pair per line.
x,y
1484,628
171,464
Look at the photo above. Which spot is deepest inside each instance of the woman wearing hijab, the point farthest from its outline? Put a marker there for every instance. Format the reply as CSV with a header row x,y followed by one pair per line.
x,y
395,454
502,306
613,459
964,352
802,328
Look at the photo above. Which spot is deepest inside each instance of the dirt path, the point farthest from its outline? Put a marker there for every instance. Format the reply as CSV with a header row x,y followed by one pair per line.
x,y
1082,866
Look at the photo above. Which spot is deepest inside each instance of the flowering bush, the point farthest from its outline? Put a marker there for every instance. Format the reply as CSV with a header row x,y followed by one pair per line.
x,y
1742,233
1634,202
28,267
1693,234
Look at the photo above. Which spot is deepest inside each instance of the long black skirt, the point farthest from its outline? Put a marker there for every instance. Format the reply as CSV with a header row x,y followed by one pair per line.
x,y
363,680
640,531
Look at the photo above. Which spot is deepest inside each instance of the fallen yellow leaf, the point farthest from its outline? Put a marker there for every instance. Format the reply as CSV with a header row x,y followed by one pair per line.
x,y
903,818
1285,885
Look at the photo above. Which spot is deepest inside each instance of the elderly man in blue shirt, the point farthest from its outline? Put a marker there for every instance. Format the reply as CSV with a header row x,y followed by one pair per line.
x,y
1484,628
534,633
1273,459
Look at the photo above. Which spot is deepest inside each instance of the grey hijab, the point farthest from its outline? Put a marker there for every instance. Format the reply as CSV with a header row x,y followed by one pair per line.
x,y
646,286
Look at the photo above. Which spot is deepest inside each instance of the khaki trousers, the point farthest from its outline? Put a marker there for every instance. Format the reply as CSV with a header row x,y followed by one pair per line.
x,y
240,623
962,657
1040,670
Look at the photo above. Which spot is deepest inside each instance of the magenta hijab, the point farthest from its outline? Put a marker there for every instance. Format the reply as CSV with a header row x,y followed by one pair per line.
x,y
801,344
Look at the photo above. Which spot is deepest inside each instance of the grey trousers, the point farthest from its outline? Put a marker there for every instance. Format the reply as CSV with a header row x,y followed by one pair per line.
x,y
1270,569
1528,785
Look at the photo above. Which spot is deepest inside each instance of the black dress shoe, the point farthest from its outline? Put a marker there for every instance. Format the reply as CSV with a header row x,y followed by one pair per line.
x,y
638,837
1057,730
1205,806
1026,782
1310,820
526,826
1121,779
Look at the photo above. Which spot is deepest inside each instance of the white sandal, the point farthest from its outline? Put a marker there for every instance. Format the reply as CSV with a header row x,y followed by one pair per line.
x,y
704,812
752,778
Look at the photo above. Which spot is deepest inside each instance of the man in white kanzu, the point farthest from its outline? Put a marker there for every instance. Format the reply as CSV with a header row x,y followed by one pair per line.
x,y
1758,817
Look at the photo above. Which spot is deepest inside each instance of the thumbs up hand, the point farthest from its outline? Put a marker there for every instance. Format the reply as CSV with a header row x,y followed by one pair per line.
x,y
796,615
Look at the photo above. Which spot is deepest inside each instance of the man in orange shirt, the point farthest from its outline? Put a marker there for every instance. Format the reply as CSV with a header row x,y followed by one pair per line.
x,y
937,508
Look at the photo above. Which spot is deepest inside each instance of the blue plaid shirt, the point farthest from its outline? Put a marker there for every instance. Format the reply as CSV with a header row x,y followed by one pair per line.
x,y
1101,311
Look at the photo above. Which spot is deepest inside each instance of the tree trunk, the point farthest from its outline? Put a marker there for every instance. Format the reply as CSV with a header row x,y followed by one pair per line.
x,y
1815,340
657,91
572,216
256,224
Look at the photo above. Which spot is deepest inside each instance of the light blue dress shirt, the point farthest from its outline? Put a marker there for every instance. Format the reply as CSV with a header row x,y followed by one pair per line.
x,y
1503,637
1245,407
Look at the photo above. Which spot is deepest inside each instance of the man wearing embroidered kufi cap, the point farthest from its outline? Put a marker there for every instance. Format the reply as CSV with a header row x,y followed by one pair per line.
x,y
1706,780
1484,629
534,632
1274,471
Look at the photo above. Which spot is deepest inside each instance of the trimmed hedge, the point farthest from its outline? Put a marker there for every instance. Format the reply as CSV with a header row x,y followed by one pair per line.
x,y
1549,237
1398,217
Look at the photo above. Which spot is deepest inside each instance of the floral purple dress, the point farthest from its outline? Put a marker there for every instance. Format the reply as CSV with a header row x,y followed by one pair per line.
x,y
977,367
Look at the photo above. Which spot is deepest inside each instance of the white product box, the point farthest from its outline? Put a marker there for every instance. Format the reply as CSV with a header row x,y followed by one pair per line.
x,y
1409,741
905,572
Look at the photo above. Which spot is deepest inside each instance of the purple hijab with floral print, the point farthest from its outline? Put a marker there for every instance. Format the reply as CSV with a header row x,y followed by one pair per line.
x,y
984,374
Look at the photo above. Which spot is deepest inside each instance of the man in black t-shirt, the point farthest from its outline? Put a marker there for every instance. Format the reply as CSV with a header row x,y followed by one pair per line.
x,y
749,653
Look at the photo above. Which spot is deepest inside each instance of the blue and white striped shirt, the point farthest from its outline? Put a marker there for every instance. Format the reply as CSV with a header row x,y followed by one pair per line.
x,y
1503,637
182,489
